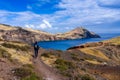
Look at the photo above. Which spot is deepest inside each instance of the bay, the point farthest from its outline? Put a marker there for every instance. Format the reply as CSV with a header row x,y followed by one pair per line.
x,y
65,44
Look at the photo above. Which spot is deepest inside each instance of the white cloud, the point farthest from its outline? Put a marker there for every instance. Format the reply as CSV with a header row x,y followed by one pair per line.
x,y
45,24
75,13
83,12
29,26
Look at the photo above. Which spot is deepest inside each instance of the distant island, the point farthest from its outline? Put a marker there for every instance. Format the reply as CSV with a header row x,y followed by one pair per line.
x,y
10,33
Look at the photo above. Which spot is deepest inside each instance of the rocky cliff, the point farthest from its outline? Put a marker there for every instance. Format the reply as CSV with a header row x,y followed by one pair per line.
x,y
10,33
78,33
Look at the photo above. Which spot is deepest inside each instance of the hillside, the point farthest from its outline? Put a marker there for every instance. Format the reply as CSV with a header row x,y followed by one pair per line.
x,y
15,61
91,61
78,33
10,33
106,57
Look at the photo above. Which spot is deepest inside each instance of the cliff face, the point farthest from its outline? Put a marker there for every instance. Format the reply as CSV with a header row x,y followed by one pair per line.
x,y
10,33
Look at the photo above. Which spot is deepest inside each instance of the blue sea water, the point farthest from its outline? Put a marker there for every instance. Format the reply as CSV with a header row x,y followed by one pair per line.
x,y
65,44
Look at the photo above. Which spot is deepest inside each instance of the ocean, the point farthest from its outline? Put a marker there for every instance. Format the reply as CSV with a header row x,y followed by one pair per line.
x,y
65,44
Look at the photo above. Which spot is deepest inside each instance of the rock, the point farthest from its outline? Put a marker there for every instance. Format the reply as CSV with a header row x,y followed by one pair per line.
x,y
78,33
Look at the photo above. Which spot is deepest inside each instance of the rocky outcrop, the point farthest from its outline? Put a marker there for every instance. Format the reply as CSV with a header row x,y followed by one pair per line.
x,y
78,33
10,33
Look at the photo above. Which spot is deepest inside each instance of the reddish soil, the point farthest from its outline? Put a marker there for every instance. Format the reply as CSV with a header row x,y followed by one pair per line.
x,y
6,69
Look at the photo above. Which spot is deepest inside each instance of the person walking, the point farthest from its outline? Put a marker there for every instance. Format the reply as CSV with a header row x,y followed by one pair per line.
x,y
36,48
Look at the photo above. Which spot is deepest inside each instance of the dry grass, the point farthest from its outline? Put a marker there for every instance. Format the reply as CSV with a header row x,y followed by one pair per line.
x,y
114,41
94,52
21,56
93,61
49,60
16,46
37,31
5,27
17,54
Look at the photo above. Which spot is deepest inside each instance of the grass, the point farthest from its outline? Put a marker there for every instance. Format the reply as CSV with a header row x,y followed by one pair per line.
x,y
17,47
93,61
30,66
47,54
14,53
87,77
5,54
94,52
75,57
115,41
64,65
32,77
25,74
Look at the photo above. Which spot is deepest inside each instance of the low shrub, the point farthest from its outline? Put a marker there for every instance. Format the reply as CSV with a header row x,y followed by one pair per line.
x,y
87,77
32,77
47,54
63,65
25,74
22,72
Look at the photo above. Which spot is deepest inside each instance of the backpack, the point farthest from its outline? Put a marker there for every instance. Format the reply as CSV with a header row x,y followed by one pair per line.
x,y
36,46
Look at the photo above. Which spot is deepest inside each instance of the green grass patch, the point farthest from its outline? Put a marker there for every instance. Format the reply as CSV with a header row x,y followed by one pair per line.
x,y
17,47
87,77
63,65
32,77
30,66
47,54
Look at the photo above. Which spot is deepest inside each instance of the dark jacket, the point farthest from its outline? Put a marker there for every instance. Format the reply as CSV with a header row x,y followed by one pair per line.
x,y
36,46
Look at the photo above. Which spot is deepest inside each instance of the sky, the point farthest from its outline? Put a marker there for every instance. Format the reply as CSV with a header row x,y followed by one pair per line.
x,y
57,16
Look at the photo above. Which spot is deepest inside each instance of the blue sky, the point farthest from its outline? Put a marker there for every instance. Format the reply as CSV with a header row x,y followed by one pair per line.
x,y
57,16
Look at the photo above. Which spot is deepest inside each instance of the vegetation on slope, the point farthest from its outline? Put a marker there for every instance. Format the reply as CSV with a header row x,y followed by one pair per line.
x,y
16,47
25,74
115,41
18,56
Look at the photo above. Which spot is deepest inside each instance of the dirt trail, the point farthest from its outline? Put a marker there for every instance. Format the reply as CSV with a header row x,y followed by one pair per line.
x,y
47,72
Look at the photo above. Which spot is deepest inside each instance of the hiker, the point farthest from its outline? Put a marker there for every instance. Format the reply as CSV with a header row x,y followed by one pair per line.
x,y
36,48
